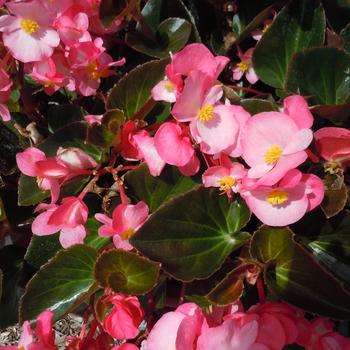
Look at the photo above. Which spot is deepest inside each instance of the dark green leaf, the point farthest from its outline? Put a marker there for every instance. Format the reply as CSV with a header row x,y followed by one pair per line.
x,y
60,115
1,276
157,190
192,234
293,274
93,239
28,191
300,24
126,272
256,105
11,262
171,36
336,113
345,34
328,81
60,283
133,91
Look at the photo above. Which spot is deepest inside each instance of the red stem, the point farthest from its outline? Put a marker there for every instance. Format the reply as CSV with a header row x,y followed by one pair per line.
x,y
261,289
122,193
253,91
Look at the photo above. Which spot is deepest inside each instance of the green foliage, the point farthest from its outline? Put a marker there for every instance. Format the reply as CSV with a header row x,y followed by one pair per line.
x,y
192,234
126,272
60,115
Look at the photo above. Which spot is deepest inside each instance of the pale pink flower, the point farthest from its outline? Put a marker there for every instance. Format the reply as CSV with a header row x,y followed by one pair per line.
x,y
287,201
93,118
274,143
125,317
27,32
68,218
52,172
213,125
89,63
179,329
45,337
72,25
126,220
245,67
227,178
333,144
5,92
147,149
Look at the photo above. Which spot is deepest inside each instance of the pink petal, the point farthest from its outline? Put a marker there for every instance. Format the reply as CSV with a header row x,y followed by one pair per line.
x,y
145,144
251,75
4,113
70,236
259,170
314,189
171,146
245,337
44,330
213,95
121,243
161,92
51,169
291,179
40,226
76,158
27,159
191,168
299,142
26,336
296,107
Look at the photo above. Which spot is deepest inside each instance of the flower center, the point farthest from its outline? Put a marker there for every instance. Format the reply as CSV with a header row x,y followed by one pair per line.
x,y
273,154
21,347
277,197
243,66
29,26
206,113
226,183
267,26
169,86
127,234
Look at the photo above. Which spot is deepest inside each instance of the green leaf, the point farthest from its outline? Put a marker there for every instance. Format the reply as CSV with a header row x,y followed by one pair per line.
x,y
133,91
28,191
345,34
300,24
11,262
293,274
9,146
41,249
126,272
60,283
71,135
328,81
110,10
93,239
256,105
171,36
192,234
60,115
157,190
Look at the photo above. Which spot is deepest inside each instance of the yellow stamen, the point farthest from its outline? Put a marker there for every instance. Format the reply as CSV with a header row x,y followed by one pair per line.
x,y
29,26
206,113
49,83
21,348
277,197
127,233
226,183
243,66
333,167
273,154
266,28
92,68
169,86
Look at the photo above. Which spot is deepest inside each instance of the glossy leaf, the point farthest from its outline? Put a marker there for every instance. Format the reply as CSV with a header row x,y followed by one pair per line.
x,y
300,24
171,36
157,190
133,91
192,234
256,105
28,191
60,283
292,273
329,85
11,262
60,115
126,272
93,239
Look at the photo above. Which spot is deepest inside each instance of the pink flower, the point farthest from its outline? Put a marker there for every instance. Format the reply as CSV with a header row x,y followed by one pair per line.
x,y
68,218
72,25
126,220
93,118
52,172
125,318
245,67
128,146
333,144
27,33
179,329
274,143
287,201
175,148
5,92
89,63
214,126
44,333
227,178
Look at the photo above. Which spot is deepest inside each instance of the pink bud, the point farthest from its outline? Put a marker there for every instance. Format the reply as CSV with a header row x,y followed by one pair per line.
x,y
76,158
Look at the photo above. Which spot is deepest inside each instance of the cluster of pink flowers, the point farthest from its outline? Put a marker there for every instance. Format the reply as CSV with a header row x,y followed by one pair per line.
x,y
59,44
266,326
